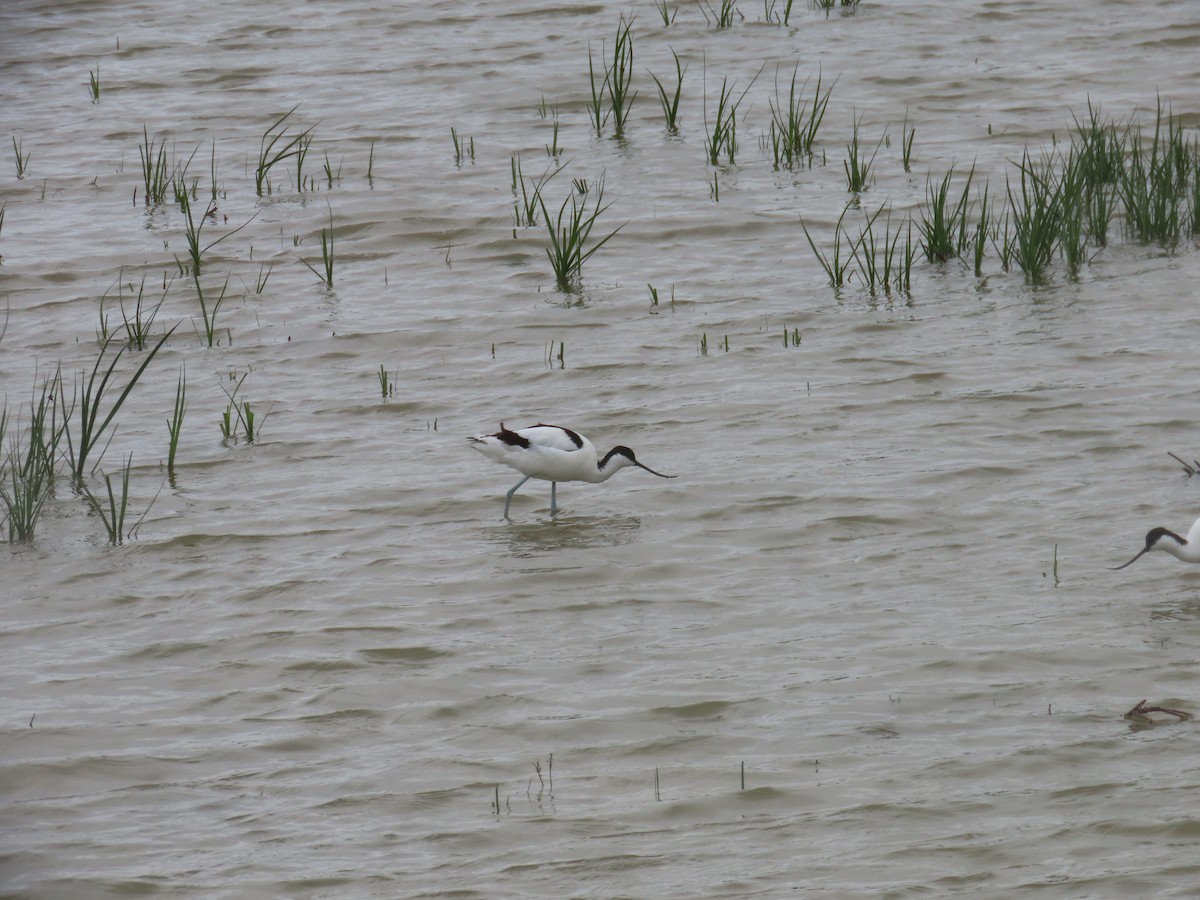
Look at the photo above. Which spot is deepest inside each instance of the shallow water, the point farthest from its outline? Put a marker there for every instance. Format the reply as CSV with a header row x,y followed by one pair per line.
x,y
325,654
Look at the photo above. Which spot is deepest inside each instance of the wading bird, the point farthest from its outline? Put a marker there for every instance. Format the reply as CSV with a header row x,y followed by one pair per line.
x,y
553,454
1187,549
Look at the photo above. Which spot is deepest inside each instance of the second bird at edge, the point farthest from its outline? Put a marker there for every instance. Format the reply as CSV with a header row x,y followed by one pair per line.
x,y
552,453
1186,549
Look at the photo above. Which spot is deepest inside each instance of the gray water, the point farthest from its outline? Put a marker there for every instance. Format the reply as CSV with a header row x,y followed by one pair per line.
x,y
877,591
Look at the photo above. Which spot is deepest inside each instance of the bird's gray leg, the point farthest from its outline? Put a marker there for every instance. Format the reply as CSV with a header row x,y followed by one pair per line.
x,y
553,498
508,496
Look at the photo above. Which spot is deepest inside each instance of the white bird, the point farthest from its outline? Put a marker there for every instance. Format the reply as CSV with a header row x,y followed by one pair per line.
x,y
1187,549
553,454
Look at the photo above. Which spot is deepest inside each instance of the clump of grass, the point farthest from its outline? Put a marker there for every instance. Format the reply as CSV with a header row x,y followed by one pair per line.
x,y
527,203
1153,179
943,225
94,83
857,166
278,146
670,100
836,265
1036,212
90,394
795,121
464,148
156,176
882,263
387,383
240,414
137,328
668,15
721,17
569,234
616,83
620,75
112,512
27,467
722,130
22,158
828,6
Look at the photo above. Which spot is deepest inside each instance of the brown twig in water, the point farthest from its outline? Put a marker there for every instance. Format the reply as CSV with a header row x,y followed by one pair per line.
x,y
1141,712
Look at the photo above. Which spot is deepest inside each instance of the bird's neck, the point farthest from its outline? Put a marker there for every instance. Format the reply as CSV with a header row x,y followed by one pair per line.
x,y
610,466
1187,551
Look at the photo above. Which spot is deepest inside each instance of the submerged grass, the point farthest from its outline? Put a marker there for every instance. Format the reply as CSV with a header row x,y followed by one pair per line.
x,y
943,224
278,146
27,465
22,158
528,201
837,265
795,121
569,233
90,394
1036,212
156,175
620,75
856,164
670,100
175,423
721,132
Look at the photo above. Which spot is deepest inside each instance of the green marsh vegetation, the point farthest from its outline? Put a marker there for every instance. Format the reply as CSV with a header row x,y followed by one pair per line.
x,y
464,148
326,275
22,158
31,449
527,195
721,131
279,145
670,99
856,164
795,121
570,233
1056,212
175,423
616,84
239,417
720,16
113,506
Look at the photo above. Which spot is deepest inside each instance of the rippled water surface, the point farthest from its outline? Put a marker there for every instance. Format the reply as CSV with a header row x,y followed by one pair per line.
x,y
865,643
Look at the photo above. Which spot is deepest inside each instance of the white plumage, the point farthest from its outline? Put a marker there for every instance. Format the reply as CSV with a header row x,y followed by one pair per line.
x,y
553,454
